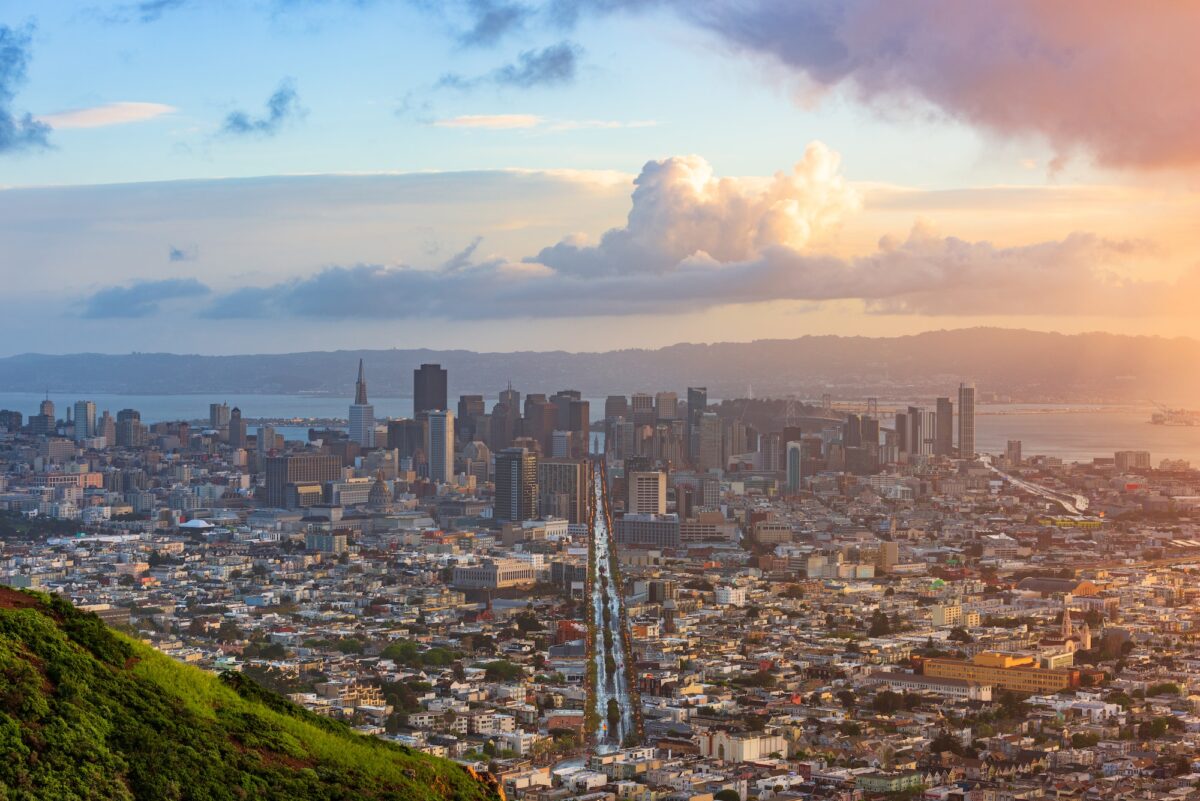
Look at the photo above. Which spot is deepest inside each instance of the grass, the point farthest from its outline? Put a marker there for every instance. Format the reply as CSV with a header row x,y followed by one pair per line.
x,y
88,713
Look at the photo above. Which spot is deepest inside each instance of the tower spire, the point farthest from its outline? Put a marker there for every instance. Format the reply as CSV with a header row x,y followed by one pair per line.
x,y
360,388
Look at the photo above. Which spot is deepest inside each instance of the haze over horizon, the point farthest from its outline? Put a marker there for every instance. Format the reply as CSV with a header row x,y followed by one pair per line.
x,y
590,175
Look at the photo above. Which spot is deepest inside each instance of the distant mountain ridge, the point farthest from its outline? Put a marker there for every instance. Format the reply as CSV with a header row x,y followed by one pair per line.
x,y
1029,365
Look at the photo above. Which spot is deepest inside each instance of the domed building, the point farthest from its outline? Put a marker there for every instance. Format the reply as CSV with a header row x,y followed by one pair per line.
x,y
380,497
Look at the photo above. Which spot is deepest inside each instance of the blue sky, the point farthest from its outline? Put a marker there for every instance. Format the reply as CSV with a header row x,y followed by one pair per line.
x,y
952,158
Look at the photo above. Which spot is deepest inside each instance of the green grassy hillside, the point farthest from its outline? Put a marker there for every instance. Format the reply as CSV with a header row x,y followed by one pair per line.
x,y
87,713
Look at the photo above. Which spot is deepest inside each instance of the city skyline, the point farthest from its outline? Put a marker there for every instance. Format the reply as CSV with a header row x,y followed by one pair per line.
x,y
472,168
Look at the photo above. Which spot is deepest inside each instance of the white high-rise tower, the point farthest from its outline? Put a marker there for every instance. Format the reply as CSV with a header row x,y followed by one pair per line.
x,y
362,414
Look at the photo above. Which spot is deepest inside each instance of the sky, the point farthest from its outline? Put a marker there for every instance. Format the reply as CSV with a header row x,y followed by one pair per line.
x,y
236,176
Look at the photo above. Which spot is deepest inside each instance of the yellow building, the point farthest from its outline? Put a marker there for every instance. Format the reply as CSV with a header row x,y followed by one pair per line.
x,y
1006,671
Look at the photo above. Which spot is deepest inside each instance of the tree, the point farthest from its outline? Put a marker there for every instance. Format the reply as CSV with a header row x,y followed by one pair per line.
x,y
959,634
726,795
880,625
887,702
614,715
847,698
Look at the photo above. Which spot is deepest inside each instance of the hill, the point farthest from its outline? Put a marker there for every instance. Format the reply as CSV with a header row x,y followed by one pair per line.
x,y
88,713
1028,365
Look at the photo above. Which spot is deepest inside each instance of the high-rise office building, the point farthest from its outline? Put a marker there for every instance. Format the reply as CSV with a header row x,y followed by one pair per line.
x,y
697,403
439,446
1012,453
309,469
646,493
852,431
710,453
85,420
45,421
406,436
966,421
106,427
916,418
218,416
470,409
362,413
237,429
562,489
429,389
943,441
666,406
795,461
516,485
616,406
641,408
130,431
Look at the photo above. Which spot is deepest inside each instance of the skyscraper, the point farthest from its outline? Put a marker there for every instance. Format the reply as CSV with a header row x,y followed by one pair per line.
x,y
470,408
218,416
709,455
943,441
616,406
562,489
666,405
966,421
516,485
85,420
237,429
697,403
362,413
795,460
641,408
429,389
439,446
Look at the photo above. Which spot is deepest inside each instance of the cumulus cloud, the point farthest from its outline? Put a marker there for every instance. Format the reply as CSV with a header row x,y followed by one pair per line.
x,y
121,113
18,131
680,209
553,65
140,298
1109,77
282,107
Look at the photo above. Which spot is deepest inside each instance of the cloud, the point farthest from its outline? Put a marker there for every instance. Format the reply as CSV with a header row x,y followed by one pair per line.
x,y
120,113
146,10
282,107
680,209
175,254
694,241
493,19
553,65
140,298
1110,78
17,131
549,66
491,121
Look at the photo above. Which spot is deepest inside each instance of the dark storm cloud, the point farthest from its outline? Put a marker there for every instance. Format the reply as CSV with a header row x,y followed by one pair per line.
x,y
18,131
282,107
140,298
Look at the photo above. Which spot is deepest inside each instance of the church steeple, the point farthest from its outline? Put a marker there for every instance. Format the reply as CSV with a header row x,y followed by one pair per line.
x,y
360,388
1067,628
